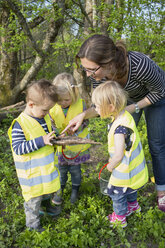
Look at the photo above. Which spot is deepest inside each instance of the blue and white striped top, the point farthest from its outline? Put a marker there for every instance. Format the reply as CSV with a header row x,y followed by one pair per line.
x,y
19,143
145,79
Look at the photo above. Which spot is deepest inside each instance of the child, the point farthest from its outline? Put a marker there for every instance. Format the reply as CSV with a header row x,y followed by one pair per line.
x,y
30,137
68,106
127,162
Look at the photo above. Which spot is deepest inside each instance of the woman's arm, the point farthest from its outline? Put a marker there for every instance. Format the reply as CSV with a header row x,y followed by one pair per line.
x,y
76,122
141,104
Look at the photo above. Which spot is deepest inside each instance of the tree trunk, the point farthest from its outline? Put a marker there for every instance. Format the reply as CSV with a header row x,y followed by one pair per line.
x,y
104,15
120,6
8,60
89,23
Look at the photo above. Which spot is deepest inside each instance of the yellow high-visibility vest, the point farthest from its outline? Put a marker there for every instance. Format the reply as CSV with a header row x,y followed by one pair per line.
x,y
61,122
36,171
132,171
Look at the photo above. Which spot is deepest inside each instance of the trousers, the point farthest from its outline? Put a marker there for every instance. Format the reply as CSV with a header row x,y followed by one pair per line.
x,y
32,208
120,201
155,121
74,170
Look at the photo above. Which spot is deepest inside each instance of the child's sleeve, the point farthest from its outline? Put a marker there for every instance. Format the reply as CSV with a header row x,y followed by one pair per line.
x,y
127,132
19,143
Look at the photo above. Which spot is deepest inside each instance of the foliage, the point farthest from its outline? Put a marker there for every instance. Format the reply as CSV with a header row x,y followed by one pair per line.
x,y
83,224
140,23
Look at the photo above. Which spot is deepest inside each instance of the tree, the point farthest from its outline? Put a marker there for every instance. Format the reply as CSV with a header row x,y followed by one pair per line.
x,y
8,61
55,22
49,33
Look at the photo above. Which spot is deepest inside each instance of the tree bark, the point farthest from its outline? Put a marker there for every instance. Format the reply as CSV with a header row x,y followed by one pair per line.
x,y
8,59
89,12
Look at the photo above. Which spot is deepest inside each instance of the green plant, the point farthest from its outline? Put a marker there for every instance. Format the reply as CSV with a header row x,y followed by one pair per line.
x,y
83,224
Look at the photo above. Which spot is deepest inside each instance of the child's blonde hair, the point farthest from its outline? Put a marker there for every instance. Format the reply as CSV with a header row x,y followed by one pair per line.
x,y
108,93
66,83
40,90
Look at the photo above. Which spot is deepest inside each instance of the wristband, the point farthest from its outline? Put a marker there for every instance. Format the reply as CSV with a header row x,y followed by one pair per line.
x,y
137,109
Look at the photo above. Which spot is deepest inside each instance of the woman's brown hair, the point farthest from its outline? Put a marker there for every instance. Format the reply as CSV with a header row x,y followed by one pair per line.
x,y
102,50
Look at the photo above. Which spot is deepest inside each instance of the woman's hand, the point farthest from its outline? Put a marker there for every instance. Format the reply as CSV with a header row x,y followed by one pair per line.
x,y
74,124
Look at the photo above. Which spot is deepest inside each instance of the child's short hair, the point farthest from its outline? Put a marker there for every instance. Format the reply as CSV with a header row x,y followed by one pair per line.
x,y
108,93
40,90
66,83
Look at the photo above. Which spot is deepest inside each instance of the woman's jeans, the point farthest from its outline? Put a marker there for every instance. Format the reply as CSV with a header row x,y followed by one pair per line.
x,y
120,202
75,171
155,120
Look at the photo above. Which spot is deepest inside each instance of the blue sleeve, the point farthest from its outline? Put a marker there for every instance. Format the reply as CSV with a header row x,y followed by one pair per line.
x,y
19,143
127,132
121,129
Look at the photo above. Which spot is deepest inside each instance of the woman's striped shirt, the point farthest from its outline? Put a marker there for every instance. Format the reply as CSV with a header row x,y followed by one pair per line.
x,y
145,79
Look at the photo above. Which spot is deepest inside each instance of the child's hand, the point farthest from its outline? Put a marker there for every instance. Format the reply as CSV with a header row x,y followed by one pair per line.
x,y
110,167
48,137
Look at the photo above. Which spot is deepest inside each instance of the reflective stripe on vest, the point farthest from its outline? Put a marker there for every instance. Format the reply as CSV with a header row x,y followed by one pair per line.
x,y
132,171
36,171
38,180
61,122
35,162
126,160
126,176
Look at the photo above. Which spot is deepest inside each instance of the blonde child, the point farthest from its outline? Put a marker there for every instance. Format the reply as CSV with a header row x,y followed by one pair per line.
x,y
30,137
68,106
127,162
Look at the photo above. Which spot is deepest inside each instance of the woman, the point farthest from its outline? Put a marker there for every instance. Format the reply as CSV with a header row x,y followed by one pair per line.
x,y
144,82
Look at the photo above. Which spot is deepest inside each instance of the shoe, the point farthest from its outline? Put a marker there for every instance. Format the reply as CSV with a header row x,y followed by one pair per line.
x,y
39,229
161,203
52,211
74,196
47,208
133,208
117,219
57,199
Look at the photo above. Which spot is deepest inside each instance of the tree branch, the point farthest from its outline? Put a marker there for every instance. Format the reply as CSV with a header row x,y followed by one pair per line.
x,y
83,12
24,25
51,34
81,24
36,21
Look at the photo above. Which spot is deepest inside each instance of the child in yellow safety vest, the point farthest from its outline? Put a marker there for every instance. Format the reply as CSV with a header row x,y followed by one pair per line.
x,y
34,156
69,159
127,162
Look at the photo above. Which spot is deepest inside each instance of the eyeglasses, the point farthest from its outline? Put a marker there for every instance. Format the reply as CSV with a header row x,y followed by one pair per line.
x,y
93,105
88,70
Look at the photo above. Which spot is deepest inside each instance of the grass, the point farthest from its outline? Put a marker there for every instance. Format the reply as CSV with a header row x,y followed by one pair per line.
x,y
83,224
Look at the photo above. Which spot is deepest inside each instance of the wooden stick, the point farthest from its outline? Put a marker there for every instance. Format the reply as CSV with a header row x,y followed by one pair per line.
x,y
71,140
18,104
